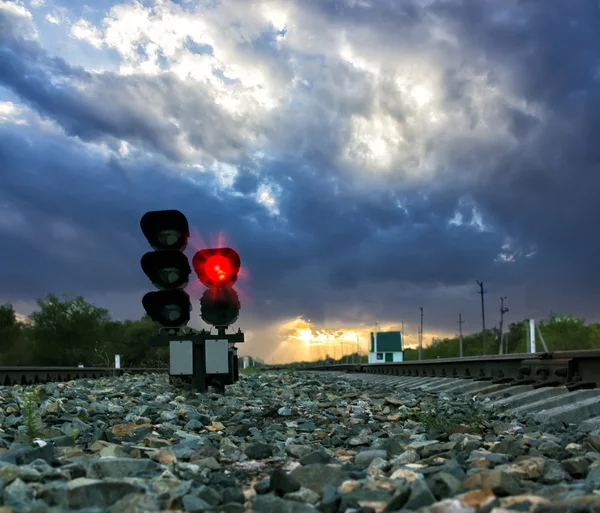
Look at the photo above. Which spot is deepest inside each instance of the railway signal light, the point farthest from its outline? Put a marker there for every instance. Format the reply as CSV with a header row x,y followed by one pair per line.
x,y
218,269
165,229
167,267
220,306
170,308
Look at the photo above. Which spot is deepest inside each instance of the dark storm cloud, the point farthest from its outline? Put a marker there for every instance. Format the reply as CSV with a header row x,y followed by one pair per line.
x,y
543,192
337,232
108,107
546,191
63,182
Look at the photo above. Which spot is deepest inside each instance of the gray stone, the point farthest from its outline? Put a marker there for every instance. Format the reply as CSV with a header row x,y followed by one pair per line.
x,y
263,486
118,468
231,507
303,495
206,451
194,425
181,490
135,503
576,467
282,483
317,475
297,451
17,494
554,473
319,456
420,495
502,483
233,494
209,495
451,506
99,494
26,455
193,504
592,479
271,503
444,485
185,449
364,458
259,451
399,498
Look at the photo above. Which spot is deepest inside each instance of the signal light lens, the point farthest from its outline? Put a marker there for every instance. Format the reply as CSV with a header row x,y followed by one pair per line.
x,y
167,270
217,267
169,308
170,275
220,306
169,238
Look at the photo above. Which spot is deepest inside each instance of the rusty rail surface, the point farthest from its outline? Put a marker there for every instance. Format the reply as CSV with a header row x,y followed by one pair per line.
x,y
574,369
30,375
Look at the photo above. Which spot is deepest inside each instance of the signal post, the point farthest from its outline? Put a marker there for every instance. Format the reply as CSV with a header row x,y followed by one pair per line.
x,y
205,358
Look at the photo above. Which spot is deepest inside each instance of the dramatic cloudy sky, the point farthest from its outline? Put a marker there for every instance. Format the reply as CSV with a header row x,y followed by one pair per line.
x,y
365,157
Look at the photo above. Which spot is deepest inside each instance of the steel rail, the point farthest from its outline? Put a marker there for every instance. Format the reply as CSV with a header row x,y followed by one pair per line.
x,y
15,375
575,369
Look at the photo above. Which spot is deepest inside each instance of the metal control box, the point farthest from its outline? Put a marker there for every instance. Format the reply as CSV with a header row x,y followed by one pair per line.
x,y
181,357
217,356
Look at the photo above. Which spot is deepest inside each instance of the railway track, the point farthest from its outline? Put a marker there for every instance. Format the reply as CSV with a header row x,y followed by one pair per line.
x,y
560,387
31,375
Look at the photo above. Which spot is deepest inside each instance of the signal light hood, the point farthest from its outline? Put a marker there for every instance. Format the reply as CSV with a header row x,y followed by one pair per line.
x,y
155,262
165,229
159,304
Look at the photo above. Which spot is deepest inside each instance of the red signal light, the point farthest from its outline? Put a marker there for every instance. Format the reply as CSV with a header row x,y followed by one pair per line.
x,y
217,267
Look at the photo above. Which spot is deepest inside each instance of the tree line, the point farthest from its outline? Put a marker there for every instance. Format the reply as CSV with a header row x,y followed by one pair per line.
x,y
561,332
69,331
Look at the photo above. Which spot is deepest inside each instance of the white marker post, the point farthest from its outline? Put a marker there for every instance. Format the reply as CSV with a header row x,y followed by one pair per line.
x,y
531,336
117,361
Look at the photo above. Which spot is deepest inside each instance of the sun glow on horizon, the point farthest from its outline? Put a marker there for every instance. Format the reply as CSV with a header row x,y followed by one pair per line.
x,y
300,340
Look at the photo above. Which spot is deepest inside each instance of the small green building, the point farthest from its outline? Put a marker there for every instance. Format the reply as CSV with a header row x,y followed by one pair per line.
x,y
386,346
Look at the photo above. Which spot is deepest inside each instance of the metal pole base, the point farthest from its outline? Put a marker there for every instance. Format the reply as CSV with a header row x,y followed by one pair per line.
x,y
199,379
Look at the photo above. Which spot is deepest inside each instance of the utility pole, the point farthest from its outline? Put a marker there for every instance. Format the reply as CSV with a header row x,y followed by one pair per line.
x,y
502,312
421,335
402,336
482,292
460,339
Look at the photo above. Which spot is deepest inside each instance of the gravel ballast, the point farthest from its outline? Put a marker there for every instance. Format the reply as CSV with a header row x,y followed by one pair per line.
x,y
285,442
